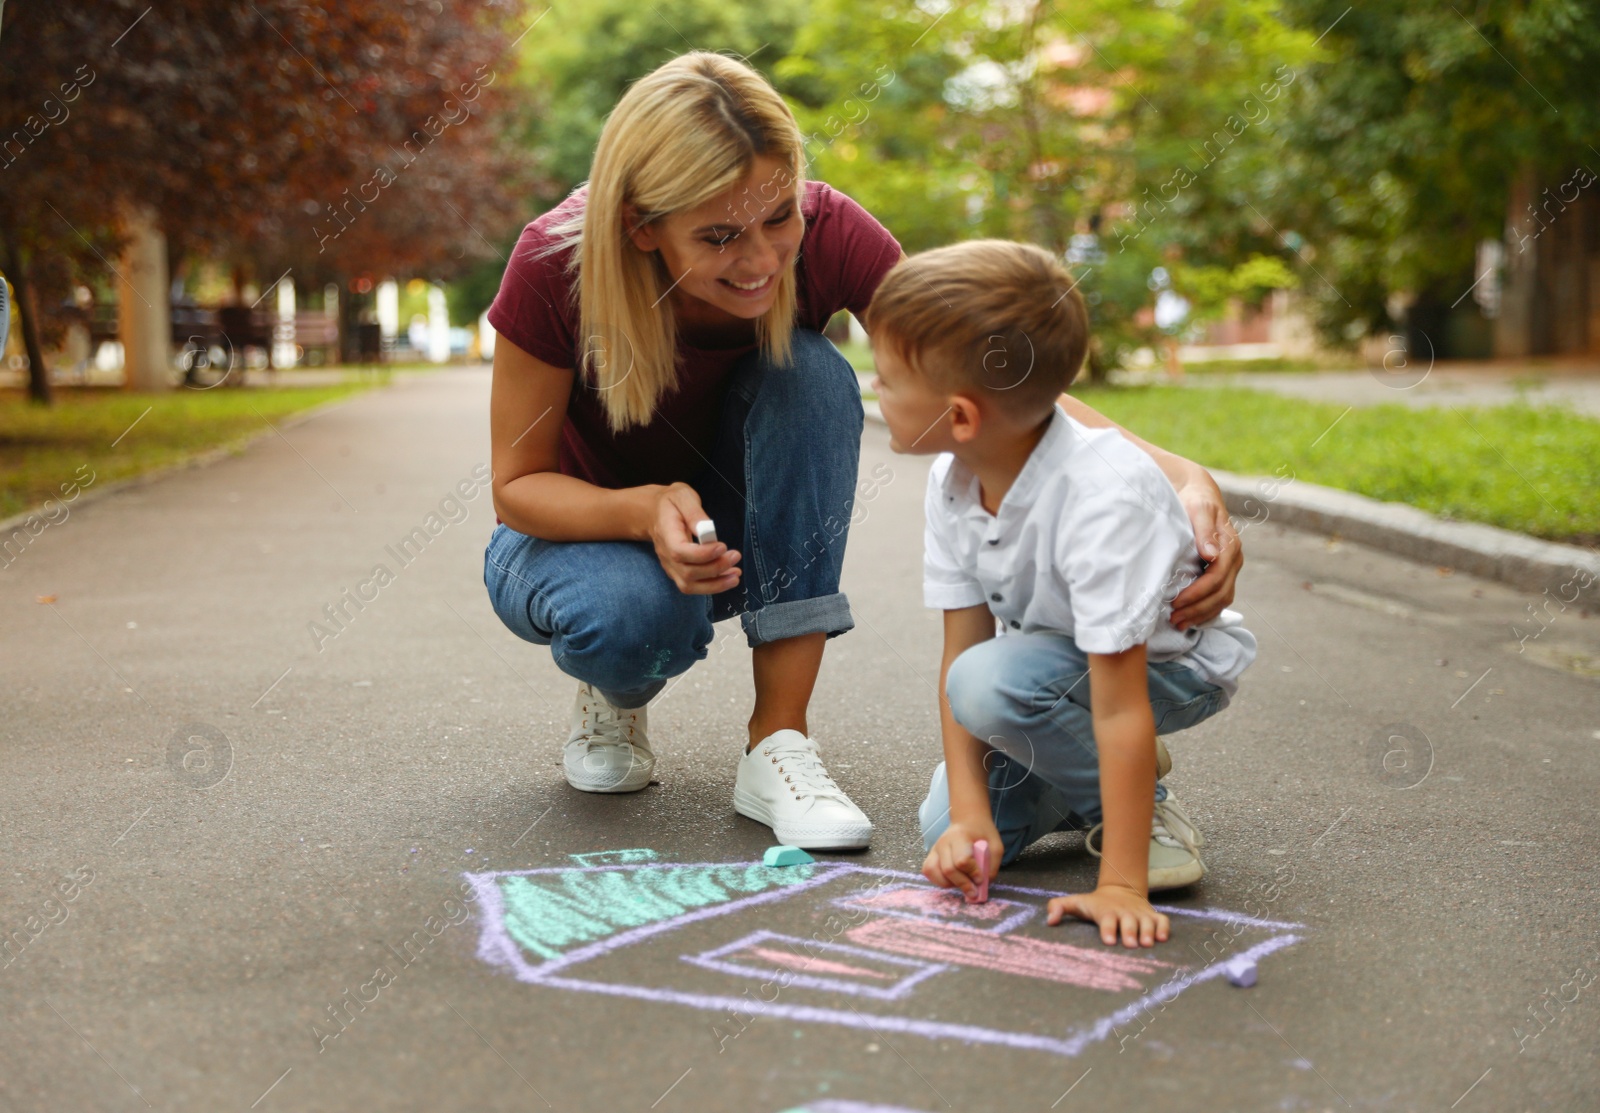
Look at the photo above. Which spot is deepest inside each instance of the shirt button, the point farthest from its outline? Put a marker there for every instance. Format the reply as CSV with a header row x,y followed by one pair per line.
x,y
994,541
994,596
1015,625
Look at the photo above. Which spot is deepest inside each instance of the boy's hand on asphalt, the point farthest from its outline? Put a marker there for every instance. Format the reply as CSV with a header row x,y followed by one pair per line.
x,y
1114,909
951,863
696,569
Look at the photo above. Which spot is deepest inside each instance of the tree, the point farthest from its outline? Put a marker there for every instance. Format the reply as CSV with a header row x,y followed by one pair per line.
x,y
585,57
1411,135
1139,129
868,87
249,130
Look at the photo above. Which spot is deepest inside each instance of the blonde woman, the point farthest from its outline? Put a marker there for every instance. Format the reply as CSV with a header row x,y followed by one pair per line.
x,y
660,364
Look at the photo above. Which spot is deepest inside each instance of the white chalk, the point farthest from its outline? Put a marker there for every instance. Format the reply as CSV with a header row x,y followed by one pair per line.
x,y
705,531
1241,972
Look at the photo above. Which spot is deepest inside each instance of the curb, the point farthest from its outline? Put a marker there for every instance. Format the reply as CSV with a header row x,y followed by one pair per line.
x,y
1523,562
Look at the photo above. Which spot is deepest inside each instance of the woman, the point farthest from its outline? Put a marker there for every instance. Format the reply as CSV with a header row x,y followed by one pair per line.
x,y
689,280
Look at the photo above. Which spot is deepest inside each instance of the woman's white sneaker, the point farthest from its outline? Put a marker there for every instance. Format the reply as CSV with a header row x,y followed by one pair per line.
x,y
783,784
608,750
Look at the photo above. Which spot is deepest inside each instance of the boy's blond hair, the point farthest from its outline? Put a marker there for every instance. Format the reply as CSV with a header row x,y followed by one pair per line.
x,y
993,317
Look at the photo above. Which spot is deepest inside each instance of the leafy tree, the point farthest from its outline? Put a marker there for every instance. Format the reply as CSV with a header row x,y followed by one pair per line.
x,y
583,58
868,87
253,131
1410,132
1150,129
1211,289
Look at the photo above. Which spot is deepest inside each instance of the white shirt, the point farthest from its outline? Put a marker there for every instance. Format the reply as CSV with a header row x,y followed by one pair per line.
x,y
1090,541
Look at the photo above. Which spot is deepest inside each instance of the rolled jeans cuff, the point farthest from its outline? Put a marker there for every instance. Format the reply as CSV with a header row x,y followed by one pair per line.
x,y
827,614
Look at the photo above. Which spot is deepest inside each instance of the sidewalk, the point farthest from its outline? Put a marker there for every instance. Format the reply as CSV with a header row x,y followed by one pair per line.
x,y
265,832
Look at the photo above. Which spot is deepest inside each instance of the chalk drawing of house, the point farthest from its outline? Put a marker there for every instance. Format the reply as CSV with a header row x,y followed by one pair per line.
x,y
849,1107
843,944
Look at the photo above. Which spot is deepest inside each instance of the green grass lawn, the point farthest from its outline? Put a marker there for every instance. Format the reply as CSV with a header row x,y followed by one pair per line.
x,y
1526,468
1531,469
43,448
1269,366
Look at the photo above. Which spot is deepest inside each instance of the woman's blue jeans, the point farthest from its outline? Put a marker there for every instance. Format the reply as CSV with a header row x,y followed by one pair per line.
x,y
780,485
1027,697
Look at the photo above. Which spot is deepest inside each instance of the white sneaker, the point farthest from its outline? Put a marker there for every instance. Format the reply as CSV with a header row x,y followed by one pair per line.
x,y
607,750
1175,845
782,783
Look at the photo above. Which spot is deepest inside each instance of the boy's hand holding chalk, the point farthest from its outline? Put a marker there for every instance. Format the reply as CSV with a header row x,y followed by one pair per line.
x,y
980,852
960,859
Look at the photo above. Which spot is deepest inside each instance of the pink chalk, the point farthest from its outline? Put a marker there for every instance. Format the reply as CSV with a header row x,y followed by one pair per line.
x,y
980,851
819,966
921,901
1094,967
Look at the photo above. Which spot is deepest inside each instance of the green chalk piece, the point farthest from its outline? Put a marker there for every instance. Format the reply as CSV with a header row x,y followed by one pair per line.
x,y
786,856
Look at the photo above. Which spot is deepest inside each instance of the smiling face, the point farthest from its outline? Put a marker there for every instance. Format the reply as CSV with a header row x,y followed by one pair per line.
x,y
726,255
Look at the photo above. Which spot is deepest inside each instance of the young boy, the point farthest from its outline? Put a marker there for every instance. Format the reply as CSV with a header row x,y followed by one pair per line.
x,y
1073,539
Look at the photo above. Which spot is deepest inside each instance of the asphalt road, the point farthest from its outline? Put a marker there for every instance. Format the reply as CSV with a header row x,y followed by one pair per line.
x,y
235,847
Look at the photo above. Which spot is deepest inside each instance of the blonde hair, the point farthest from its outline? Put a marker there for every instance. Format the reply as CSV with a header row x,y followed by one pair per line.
x,y
681,134
991,316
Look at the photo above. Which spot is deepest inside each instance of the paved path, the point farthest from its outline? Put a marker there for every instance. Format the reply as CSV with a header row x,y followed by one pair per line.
x,y
215,924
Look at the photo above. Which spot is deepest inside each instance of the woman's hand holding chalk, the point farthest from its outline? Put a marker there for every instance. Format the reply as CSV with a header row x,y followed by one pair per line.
x,y
980,851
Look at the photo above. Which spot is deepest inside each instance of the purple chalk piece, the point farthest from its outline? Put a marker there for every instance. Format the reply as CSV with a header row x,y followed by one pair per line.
x,y
1241,973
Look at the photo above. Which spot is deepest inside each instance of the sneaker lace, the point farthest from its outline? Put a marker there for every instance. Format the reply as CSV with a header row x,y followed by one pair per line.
x,y
1170,825
803,771
609,725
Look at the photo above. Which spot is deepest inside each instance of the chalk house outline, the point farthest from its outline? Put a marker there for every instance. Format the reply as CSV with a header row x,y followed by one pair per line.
x,y
566,917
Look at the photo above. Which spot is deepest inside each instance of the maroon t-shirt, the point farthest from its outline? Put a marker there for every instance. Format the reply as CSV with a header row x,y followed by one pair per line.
x,y
843,256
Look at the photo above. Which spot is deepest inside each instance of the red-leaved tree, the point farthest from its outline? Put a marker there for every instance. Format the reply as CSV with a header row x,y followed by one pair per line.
x,y
331,137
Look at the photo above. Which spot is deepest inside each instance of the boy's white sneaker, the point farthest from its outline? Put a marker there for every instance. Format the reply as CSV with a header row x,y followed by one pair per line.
x,y
1174,847
608,750
782,783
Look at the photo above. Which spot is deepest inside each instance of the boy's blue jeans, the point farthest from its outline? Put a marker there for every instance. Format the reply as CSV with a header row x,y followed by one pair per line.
x,y
1027,696
780,485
